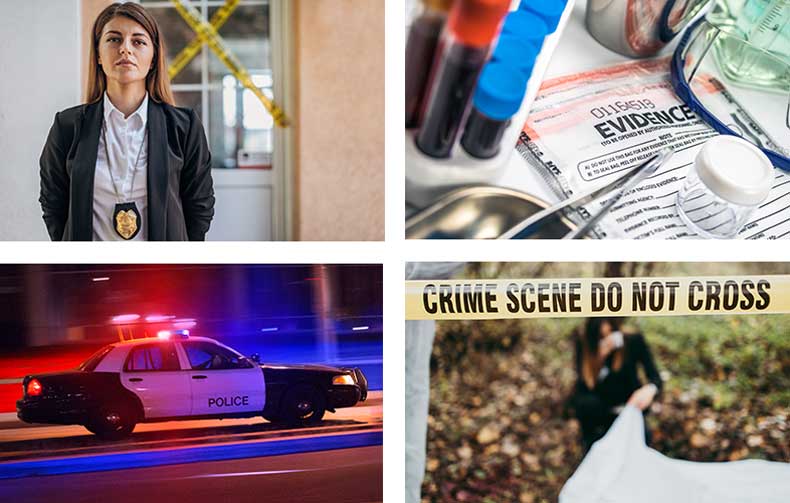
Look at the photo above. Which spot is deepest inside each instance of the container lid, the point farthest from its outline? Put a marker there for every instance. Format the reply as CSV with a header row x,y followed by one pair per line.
x,y
735,170
476,22
515,52
527,26
548,10
500,90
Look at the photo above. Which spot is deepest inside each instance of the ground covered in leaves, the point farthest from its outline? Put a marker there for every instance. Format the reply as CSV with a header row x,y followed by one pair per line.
x,y
496,430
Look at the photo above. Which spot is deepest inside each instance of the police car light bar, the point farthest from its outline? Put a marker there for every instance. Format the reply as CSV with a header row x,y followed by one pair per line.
x,y
167,334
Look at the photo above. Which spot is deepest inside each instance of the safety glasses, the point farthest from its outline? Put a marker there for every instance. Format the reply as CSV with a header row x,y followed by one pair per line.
x,y
736,87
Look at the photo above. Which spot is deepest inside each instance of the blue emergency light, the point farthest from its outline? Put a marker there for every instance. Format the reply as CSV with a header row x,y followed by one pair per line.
x,y
168,334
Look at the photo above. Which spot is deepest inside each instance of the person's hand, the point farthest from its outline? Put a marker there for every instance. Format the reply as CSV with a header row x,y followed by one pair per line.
x,y
609,344
643,397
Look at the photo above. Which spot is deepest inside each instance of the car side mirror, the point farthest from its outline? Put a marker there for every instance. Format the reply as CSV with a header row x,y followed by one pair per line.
x,y
256,358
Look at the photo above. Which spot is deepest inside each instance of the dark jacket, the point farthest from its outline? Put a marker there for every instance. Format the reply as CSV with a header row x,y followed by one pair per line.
x,y
595,407
180,189
616,388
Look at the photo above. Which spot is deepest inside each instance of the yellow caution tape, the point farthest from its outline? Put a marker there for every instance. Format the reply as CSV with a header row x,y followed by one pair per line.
x,y
584,297
207,34
196,45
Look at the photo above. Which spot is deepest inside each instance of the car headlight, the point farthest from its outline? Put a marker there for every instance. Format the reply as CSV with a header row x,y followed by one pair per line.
x,y
344,379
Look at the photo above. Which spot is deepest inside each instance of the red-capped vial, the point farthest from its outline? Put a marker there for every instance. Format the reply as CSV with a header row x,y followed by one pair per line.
x,y
471,28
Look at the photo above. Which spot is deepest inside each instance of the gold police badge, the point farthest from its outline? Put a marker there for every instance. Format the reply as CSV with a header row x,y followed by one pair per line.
x,y
127,218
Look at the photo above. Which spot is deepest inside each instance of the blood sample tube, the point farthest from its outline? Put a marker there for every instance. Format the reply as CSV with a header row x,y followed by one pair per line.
x,y
497,98
420,49
548,10
463,49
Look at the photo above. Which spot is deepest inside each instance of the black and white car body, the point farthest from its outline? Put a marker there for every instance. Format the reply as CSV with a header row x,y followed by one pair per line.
x,y
175,376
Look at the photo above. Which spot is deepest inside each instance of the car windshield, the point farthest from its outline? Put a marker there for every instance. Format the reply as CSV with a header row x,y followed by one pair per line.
x,y
91,363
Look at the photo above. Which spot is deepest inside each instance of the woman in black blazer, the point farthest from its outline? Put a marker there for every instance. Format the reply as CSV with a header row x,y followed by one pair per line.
x,y
127,71
606,365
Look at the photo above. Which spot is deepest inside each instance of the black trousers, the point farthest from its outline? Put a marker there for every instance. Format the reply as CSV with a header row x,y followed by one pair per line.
x,y
596,418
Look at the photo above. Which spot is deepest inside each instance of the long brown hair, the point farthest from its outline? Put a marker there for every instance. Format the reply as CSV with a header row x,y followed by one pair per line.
x,y
157,82
590,337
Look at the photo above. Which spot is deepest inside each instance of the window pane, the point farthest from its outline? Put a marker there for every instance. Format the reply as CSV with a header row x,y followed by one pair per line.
x,y
177,34
154,359
190,99
246,35
157,357
241,129
93,362
199,358
138,359
207,356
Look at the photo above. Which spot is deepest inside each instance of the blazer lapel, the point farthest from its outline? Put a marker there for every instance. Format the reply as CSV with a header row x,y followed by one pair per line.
x,y
157,172
83,171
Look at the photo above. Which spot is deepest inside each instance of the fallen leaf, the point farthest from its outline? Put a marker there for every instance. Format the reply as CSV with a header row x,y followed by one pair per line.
x,y
698,440
464,452
510,447
487,434
526,498
708,425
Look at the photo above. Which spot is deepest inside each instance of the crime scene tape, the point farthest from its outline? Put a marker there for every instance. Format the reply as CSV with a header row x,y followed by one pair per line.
x,y
208,34
194,47
589,297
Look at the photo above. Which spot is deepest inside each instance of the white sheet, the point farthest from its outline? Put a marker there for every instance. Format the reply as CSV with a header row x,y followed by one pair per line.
x,y
621,468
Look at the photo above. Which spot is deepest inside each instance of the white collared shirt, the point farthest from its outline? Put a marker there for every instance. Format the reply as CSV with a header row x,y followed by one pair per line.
x,y
125,139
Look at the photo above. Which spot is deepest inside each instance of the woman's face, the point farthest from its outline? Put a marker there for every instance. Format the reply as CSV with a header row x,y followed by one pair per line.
x,y
125,51
606,329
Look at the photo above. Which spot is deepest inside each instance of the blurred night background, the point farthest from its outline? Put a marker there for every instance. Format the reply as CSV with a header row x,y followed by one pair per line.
x,y
52,317
499,430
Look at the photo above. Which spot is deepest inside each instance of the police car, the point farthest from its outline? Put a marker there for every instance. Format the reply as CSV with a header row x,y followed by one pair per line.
x,y
175,376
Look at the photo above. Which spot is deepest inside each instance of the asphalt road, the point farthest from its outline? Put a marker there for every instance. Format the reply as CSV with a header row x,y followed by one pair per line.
x,y
347,475
20,441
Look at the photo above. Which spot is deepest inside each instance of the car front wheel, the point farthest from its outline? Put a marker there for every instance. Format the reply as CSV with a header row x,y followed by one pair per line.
x,y
304,405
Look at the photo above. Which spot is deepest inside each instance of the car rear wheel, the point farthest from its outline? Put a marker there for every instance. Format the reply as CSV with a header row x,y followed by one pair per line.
x,y
112,423
304,405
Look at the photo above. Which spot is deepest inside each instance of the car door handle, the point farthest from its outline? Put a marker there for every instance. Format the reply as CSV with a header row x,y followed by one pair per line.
x,y
199,377
136,379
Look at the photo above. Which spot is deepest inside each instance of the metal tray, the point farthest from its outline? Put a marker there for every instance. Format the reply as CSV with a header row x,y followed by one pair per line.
x,y
481,212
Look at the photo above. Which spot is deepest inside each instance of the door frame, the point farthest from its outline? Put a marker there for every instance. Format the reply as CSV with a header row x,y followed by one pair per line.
x,y
281,29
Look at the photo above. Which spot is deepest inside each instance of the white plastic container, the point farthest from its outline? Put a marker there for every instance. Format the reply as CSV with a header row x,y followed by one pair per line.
x,y
427,177
730,178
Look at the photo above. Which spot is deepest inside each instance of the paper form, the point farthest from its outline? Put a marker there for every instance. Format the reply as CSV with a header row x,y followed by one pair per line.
x,y
586,127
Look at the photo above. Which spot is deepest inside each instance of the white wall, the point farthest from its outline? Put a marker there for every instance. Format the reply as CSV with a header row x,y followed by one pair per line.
x,y
39,75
